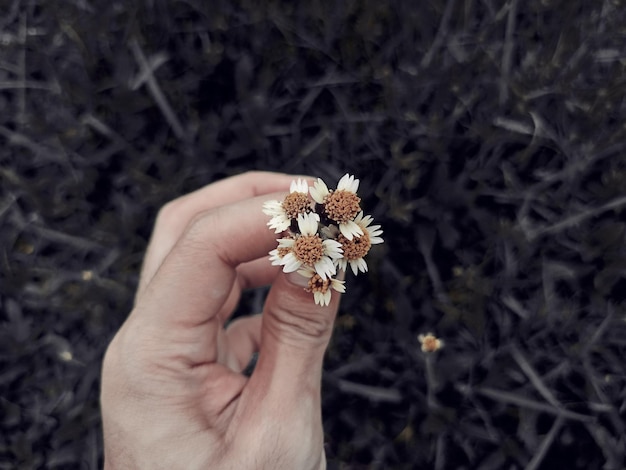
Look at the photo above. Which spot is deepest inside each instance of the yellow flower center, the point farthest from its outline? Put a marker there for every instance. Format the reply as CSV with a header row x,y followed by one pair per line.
x,y
342,206
296,203
309,249
356,248
317,284
282,251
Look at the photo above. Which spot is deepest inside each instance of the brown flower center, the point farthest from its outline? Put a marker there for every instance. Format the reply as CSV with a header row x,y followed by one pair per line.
x,y
317,284
296,203
342,206
356,248
309,249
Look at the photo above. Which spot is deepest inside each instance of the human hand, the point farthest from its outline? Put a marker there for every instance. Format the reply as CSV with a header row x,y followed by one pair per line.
x,y
173,395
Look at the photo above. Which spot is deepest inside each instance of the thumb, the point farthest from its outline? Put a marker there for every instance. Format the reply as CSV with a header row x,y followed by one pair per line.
x,y
294,336
283,396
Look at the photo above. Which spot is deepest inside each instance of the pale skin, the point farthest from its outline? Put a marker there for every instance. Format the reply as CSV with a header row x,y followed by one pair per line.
x,y
173,396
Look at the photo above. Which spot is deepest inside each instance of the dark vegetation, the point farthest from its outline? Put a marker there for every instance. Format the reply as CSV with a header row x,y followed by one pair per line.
x,y
489,137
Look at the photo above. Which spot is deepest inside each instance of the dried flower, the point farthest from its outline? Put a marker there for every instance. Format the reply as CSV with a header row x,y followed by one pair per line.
x,y
430,343
341,205
321,288
354,250
296,203
322,235
307,248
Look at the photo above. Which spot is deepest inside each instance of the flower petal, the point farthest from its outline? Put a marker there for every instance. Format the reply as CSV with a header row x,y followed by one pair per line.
x,y
348,183
299,186
272,208
319,191
355,267
350,229
290,263
325,268
275,258
358,265
332,249
286,242
307,223
279,223
338,285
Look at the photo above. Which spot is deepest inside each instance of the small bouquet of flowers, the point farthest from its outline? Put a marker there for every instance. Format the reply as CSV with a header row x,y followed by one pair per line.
x,y
324,231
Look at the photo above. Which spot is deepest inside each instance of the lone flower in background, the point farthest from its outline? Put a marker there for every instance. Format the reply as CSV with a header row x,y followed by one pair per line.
x,y
430,343
322,235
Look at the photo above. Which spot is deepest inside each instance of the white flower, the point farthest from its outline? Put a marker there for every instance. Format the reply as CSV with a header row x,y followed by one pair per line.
x,y
355,249
430,343
282,213
276,255
308,249
341,205
321,288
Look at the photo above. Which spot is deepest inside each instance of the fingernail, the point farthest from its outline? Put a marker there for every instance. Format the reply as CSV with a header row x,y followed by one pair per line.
x,y
297,279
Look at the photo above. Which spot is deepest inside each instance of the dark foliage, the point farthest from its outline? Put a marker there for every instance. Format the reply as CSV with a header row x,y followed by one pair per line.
x,y
489,137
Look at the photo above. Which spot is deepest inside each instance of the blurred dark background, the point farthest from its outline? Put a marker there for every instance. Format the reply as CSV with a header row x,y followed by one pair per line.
x,y
489,138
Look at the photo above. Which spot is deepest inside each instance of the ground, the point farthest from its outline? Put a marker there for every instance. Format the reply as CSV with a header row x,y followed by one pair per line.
x,y
489,138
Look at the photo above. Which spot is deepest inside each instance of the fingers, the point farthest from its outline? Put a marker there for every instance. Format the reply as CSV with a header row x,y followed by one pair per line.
x,y
174,217
253,274
294,337
244,337
185,296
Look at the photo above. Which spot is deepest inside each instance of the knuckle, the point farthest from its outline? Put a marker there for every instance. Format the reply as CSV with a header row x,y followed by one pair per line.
x,y
169,214
201,225
198,241
297,324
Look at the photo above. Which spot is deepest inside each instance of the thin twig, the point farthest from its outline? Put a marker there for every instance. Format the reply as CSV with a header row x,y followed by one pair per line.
x,y
379,394
577,219
31,84
6,204
612,448
599,331
441,34
507,52
425,241
545,445
60,237
21,95
155,90
527,368
523,402
22,140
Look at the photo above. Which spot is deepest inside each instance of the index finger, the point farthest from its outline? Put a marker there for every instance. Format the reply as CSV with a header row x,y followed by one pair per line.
x,y
177,214
197,275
